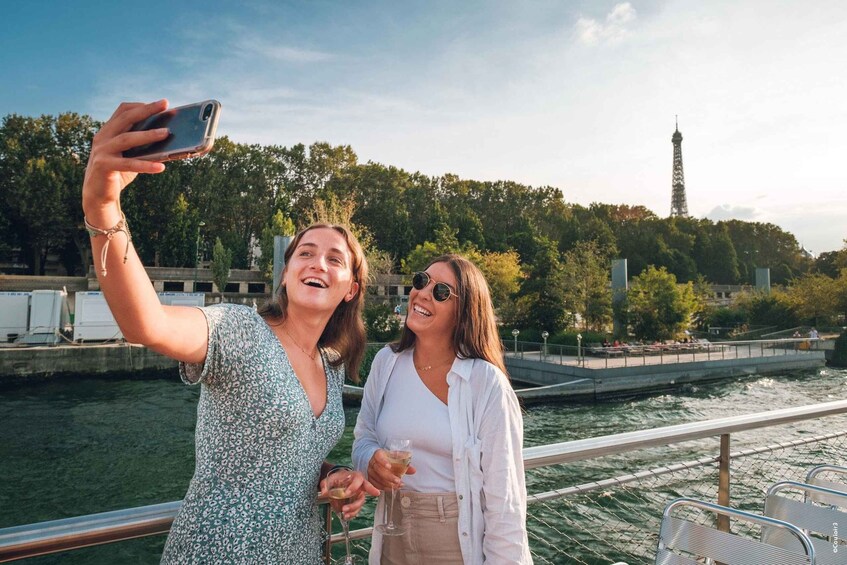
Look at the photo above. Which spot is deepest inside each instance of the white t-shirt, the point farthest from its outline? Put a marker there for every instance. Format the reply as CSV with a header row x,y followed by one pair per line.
x,y
412,411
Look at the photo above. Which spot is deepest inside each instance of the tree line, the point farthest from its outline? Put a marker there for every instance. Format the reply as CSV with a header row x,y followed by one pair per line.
x,y
547,259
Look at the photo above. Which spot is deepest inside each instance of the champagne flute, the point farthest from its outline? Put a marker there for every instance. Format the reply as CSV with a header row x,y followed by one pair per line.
x,y
337,483
399,453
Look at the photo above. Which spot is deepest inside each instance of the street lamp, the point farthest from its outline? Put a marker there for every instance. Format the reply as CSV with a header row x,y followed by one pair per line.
x,y
578,348
197,253
515,333
544,336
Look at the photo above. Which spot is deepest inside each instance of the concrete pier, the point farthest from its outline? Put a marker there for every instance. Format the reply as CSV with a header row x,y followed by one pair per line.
x,y
557,381
30,363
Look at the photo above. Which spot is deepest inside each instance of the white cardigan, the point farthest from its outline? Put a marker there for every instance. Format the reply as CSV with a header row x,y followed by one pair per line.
x,y
487,429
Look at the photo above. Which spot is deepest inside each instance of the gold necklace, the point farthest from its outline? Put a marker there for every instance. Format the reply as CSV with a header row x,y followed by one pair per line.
x,y
426,368
300,347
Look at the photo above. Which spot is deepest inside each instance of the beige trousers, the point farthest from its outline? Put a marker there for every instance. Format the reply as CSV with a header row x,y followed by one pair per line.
x,y
432,536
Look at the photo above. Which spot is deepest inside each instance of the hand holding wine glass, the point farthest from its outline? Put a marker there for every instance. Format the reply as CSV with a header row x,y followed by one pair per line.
x,y
337,485
380,472
398,455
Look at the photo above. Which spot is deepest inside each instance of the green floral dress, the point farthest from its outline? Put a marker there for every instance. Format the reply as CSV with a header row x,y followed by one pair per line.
x,y
259,450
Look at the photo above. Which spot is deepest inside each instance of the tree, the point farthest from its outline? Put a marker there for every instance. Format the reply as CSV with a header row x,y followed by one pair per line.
x,y
279,224
42,164
586,279
221,263
423,254
658,308
502,270
542,300
773,308
841,296
814,296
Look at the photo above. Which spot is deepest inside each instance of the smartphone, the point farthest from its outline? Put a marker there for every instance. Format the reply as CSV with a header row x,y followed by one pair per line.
x,y
192,132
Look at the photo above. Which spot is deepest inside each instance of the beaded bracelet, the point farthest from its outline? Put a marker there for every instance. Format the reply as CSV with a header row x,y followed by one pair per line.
x,y
121,226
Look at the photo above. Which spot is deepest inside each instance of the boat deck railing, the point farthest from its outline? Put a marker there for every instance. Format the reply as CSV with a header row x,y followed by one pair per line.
x,y
593,501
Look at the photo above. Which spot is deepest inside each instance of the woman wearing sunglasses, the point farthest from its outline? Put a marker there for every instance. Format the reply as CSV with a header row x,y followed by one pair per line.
x,y
443,385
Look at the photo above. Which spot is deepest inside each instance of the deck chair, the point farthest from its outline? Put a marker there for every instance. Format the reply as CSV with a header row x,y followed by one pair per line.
x,y
685,540
815,476
818,511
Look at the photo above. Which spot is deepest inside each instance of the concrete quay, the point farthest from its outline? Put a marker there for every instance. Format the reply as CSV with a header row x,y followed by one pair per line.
x,y
32,363
595,381
562,378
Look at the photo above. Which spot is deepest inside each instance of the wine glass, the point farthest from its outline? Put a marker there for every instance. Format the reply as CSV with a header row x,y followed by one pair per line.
x,y
399,453
337,483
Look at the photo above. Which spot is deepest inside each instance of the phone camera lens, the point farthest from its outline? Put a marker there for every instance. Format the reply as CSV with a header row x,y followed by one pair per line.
x,y
207,112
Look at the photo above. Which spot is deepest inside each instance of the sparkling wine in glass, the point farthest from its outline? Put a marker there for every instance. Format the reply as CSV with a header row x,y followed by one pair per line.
x,y
399,453
337,483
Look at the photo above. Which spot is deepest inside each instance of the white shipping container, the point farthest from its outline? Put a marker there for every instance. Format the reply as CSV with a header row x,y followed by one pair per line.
x,y
182,298
45,311
93,320
14,314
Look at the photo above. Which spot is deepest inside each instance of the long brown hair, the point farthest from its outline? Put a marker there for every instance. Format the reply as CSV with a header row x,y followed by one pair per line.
x,y
345,331
475,334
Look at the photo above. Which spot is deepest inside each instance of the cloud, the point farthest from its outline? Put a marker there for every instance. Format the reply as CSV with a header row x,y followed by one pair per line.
x,y
591,32
281,53
728,212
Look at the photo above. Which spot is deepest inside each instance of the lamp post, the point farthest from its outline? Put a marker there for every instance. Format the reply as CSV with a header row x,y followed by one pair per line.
x,y
197,254
515,333
579,349
544,336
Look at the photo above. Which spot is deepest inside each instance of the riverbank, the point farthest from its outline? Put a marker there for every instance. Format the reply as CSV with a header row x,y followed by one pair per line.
x,y
548,381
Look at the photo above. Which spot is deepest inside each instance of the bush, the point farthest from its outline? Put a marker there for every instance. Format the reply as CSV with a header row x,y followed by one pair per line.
x,y
370,352
381,323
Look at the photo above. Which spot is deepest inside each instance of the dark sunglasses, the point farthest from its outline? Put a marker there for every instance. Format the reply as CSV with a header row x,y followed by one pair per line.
x,y
440,292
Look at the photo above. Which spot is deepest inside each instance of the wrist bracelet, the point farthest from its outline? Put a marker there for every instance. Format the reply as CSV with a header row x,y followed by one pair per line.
x,y
121,226
338,468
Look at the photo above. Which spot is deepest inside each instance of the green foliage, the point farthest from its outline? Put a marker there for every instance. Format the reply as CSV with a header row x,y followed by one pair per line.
x,y
221,264
542,299
279,224
42,164
725,317
814,297
657,308
180,238
586,281
768,309
370,352
381,323
402,218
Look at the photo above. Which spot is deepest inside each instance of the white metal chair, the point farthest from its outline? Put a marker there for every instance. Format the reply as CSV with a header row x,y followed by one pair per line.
x,y
684,541
814,477
818,511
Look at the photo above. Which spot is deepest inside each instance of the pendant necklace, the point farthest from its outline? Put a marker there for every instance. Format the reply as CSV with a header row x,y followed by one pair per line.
x,y
300,347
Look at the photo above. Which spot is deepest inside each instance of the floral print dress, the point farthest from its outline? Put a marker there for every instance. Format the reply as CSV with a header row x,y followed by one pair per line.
x,y
259,450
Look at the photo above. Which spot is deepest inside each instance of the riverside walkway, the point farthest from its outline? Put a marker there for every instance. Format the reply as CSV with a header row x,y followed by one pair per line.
x,y
591,373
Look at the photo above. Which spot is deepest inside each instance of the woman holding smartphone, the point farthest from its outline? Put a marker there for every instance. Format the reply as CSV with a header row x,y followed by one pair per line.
x,y
443,386
270,403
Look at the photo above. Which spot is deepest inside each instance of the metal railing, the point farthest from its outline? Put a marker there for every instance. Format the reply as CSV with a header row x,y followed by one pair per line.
x,y
579,512
596,356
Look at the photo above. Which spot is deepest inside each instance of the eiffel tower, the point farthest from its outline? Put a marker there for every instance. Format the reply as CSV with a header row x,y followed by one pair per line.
x,y
679,206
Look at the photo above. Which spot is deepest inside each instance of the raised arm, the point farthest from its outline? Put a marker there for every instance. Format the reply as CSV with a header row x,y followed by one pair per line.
x,y
178,332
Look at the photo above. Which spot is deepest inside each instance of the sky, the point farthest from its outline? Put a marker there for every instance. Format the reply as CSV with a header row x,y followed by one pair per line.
x,y
579,95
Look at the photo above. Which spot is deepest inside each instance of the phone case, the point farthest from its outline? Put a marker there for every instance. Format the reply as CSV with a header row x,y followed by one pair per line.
x,y
192,132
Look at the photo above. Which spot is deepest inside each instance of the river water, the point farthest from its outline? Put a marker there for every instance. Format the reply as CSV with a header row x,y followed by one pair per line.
x,y
85,445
